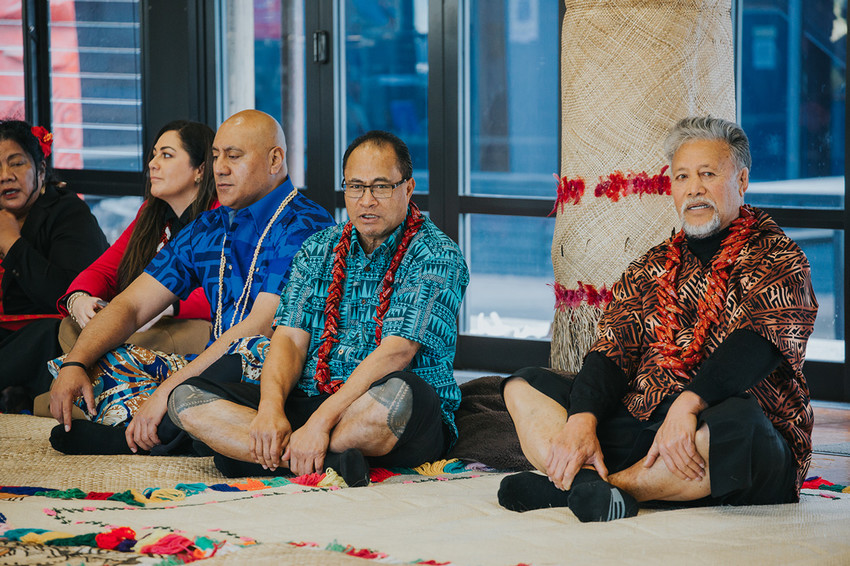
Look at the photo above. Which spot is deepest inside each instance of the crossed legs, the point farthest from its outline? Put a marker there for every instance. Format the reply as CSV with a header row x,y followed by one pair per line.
x,y
372,424
397,422
538,419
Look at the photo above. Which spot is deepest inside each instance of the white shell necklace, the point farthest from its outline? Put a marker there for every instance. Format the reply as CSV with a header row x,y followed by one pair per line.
x,y
243,297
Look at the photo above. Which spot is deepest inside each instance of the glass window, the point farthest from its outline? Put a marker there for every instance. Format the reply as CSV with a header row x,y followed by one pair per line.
x,y
269,73
825,251
279,74
113,214
11,60
268,64
793,65
511,141
509,144
385,74
96,84
510,273
793,62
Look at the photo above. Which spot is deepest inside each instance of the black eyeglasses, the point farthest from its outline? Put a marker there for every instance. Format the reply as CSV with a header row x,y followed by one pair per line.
x,y
379,190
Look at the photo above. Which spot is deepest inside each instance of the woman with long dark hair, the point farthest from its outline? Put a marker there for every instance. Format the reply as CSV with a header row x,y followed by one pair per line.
x,y
179,186
47,236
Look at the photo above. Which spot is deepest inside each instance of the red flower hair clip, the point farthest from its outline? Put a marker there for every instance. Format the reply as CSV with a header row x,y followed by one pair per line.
x,y
45,139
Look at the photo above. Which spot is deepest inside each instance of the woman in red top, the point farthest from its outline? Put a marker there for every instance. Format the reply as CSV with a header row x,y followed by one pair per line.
x,y
179,186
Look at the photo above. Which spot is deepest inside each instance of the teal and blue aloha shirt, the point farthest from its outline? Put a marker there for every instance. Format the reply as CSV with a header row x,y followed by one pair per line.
x,y
428,289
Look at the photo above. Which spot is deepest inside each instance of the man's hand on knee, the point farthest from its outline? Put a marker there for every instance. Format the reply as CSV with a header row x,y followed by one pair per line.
x,y
269,436
574,447
674,442
307,448
141,432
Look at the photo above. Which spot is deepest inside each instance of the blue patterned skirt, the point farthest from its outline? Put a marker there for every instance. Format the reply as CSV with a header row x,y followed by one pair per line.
x,y
124,379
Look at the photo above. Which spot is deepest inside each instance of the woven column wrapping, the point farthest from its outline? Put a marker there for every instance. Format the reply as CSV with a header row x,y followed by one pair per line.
x,y
629,70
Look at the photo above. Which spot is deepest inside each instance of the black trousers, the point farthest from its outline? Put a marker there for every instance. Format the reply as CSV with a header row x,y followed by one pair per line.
x,y
24,355
749,461
424,439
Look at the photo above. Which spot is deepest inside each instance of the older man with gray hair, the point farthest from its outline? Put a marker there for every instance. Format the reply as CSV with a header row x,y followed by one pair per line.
x,y
694,390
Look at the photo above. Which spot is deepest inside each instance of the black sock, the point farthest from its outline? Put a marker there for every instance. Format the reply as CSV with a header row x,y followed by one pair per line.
x,y
86,437
527,491
238,469
351,465
597,501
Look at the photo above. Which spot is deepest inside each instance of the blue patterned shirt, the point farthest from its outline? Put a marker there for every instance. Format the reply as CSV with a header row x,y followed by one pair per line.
x,y
428,289
193,257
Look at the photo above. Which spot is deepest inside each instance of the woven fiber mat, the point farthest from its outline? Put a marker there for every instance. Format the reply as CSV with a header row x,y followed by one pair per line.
x,y
26,458
450,518
21,554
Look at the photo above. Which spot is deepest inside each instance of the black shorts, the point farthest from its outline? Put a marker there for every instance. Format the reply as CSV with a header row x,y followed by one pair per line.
x,y
749,461
425,438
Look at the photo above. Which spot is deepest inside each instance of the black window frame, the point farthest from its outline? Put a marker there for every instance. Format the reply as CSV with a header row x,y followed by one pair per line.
x,y
178,49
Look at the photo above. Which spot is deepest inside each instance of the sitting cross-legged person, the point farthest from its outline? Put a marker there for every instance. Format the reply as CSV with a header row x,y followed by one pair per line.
x,y
47,237
360,362
239,253
179,186
694,390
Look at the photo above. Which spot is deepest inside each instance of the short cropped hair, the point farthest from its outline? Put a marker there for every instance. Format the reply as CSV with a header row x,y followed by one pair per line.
x,y
710,128
382,138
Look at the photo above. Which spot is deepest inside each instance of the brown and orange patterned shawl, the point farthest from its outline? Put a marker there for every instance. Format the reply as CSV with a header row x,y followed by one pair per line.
x,y
770,293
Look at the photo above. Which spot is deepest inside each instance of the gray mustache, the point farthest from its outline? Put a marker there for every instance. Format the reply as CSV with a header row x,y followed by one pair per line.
x,y
690,201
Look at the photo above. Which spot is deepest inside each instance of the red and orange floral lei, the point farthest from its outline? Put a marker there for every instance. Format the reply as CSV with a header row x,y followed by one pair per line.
x,y
709,307
336,289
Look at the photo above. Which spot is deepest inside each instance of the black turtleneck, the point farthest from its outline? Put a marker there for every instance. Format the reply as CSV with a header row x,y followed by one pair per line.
x,y
742,360
705,248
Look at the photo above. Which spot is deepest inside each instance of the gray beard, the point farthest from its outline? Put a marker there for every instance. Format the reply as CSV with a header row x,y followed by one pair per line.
x,y
705,230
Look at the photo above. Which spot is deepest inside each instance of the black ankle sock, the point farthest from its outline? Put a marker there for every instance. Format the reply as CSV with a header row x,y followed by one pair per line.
x,y
597,501
351,465
86,437
527,491
238,469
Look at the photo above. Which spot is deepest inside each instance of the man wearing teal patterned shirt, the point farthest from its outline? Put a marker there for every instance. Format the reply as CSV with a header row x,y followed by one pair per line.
x,y
360,362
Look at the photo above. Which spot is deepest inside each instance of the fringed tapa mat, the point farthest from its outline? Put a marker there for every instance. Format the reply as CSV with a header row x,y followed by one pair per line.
x,y
442,519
